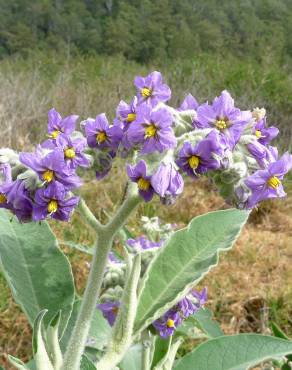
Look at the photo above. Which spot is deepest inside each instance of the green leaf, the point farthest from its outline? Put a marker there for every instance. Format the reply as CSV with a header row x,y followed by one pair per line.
x,y
40,353
16,362
161,348
37,272
203,319
99,330
86,364
234,352
133,359
278,332
185,260
79,247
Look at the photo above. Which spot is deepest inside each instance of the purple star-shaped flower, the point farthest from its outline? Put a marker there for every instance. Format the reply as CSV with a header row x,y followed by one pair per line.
x,y
189,103
167,181
152,129
263,133
109,311
100,135
203,157
223,116
53,201
126,113
51,167
14,196
151,89
138,174
73,151
167,324
58,125
267,183
142,243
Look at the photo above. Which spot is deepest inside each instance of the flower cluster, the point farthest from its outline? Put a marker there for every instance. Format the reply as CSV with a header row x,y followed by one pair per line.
x,y
45,178
171,320
162,146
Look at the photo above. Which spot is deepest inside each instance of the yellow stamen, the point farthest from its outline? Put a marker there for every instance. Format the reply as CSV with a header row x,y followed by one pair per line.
x,y
55,134
150,131
146,92
274,182
220,124
194,161
3,198
143,184
101,137
170,323
258,134
115,310
131,117
52,206
48,176
69,153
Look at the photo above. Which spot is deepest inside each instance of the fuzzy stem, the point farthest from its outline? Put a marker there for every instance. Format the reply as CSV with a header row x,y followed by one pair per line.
x,y
88,216
105,235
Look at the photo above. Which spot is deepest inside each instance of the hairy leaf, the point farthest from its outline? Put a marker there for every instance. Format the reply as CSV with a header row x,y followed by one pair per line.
x,y
36,270
186,258
234,352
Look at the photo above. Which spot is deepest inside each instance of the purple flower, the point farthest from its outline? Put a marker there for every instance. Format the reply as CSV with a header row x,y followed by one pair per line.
x,y
73,151
138,174
151,89
222,115
167,324
189,103
51,167
200,297
100,135
266,184
103,164
142,243
167,181
203,157
53,201
14,196
57,125
109,311
263,133
126,113
152,129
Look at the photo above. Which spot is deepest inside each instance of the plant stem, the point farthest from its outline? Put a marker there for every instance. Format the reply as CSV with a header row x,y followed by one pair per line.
x,y
105,235
88,216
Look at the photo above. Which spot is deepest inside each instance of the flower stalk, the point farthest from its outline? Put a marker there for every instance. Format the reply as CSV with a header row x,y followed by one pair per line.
x,y
105,235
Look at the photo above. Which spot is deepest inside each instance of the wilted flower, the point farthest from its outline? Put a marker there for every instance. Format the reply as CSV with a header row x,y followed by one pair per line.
x,y
151,89
53,201
167,181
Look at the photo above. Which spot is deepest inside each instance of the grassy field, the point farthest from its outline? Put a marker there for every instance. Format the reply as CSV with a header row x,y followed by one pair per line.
x,y
252,284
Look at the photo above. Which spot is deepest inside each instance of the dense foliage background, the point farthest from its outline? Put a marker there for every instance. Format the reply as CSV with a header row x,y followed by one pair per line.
x,y
147,30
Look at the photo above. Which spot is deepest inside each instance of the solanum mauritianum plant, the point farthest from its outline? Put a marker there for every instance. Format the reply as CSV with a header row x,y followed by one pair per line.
x,y
139,305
